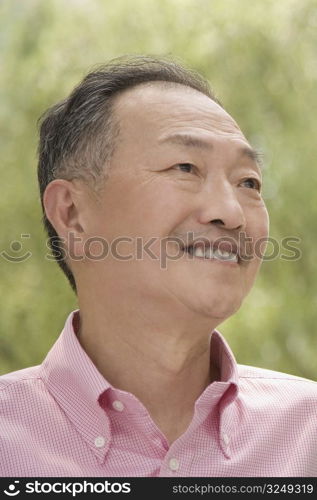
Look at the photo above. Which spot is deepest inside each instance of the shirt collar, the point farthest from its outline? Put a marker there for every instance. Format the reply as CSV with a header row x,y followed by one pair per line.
x,y
226,386
227,389
78,387
76,384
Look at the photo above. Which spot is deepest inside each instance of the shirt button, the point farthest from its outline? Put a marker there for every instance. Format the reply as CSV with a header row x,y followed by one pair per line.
x,y
226,439
100,441
117,405
173,464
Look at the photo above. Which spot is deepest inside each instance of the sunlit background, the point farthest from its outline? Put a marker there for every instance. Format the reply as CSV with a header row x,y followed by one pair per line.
x,y
261,60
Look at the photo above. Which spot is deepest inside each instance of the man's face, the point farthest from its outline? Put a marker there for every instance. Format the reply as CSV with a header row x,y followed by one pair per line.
x,y
181,165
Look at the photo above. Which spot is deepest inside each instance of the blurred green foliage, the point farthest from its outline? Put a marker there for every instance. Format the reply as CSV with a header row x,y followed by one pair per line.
x,y
261,60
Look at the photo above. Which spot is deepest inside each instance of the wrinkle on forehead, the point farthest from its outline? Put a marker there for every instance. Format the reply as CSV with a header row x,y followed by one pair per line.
x,y
173,107
149,112
199,118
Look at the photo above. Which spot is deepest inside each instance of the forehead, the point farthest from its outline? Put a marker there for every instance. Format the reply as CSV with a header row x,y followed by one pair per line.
x,y
157,109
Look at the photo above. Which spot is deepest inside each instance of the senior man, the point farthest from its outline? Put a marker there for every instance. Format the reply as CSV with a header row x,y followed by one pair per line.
x,y
147,185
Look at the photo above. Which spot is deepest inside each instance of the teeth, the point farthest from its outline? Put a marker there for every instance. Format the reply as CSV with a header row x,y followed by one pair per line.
x,y
224,255
198,252
209,253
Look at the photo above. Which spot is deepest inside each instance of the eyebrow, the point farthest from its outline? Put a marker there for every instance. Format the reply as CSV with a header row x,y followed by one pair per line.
x,y
197,142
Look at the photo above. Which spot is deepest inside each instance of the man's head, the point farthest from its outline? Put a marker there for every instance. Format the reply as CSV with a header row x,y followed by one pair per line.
x,y
78,135
155,159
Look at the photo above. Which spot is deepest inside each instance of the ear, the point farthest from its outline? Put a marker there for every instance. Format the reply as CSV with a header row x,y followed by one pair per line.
x,y
61,205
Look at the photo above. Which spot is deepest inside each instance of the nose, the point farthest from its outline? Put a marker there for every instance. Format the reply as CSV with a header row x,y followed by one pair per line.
x,y
220,206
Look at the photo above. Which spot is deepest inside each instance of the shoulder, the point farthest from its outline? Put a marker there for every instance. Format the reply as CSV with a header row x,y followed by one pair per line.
x,y
275,384
20,388
25,404
253,372
257,372
30,419
19,378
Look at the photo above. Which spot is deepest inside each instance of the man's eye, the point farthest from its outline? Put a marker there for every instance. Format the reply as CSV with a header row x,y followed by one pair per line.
x,y
188,168
252,183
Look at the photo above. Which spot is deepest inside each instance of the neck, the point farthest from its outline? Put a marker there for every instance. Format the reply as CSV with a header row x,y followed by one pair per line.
x,y
156,358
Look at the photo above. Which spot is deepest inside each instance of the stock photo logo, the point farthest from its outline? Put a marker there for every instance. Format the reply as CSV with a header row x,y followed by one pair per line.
x,y
17,253
66,487
13,491
266,249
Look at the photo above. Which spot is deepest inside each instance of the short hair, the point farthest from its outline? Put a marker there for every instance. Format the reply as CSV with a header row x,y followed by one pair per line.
x,y
77,136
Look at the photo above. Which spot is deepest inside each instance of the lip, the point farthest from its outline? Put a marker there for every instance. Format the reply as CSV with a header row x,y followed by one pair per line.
x,y
224,246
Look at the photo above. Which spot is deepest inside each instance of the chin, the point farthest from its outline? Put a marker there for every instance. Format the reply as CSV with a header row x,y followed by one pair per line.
x,y
221,309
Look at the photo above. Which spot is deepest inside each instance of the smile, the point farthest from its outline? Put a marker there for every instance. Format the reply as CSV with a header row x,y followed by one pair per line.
x,y
207,252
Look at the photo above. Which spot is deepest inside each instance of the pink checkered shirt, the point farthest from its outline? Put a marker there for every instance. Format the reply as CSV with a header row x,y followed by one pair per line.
x,y
63,418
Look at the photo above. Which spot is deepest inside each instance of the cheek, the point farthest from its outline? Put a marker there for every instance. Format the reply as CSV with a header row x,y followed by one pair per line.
x,y
257,230
138,204
258,224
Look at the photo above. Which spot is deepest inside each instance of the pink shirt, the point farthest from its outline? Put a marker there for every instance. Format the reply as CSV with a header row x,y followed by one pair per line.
x,y
63,418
